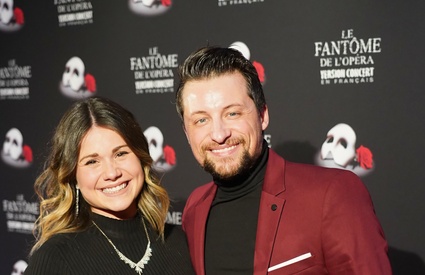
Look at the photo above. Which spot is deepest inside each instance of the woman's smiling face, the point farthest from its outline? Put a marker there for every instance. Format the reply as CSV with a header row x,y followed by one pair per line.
x,y
109,175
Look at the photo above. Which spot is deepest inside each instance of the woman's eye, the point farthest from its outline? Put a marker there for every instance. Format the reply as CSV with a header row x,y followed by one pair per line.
x,y
122,153
90,162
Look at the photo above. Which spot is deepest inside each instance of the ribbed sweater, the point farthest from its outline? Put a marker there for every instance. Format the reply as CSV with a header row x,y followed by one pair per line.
x,y
89,252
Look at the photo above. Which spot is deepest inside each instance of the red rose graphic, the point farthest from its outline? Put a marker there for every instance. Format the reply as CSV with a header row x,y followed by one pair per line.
x,y
19,16
166,3
364,157
90,83
260,71
169,155
27,153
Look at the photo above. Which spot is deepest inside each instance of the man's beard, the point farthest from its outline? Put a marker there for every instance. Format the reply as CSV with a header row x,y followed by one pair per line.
x,y
222,173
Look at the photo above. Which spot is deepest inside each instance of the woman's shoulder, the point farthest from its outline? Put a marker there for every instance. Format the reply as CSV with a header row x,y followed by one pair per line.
x,y
59,254
63,244
55,246
50,257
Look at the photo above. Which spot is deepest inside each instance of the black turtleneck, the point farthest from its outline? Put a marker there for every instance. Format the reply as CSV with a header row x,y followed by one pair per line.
x,y
232,221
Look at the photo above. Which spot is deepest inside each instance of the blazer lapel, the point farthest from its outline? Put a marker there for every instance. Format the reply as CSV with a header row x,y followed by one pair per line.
x,y
270,212
201,214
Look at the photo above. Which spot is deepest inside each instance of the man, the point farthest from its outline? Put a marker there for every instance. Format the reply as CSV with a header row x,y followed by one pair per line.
x,y
262,214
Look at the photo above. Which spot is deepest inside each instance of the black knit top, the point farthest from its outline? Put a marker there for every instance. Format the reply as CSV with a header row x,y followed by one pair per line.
x,y
89,252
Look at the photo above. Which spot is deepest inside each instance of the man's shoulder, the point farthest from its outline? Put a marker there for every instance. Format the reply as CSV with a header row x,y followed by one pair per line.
x,y
313,178
303,174
301,169
314,171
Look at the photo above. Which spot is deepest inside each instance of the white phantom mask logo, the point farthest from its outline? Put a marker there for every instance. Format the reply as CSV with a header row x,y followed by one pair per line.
x,y
19,268
73,76
340,145
242,48
6,11
155,141
12,145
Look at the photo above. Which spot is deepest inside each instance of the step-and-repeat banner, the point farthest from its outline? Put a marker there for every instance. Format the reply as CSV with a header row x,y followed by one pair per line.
x,y
344,81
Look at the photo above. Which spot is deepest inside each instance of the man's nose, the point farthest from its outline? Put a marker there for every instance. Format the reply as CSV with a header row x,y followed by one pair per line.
x,y
220,131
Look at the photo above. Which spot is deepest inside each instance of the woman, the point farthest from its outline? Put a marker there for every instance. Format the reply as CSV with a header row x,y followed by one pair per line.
x,y
102,209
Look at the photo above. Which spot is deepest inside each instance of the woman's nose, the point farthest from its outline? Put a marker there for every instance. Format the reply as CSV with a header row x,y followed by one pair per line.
x,y
111,171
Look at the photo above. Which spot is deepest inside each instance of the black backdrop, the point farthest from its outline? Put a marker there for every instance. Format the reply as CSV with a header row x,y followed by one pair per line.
x,y
323,62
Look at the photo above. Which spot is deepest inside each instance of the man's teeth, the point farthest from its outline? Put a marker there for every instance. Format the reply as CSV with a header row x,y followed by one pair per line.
x,y
115,189
224,149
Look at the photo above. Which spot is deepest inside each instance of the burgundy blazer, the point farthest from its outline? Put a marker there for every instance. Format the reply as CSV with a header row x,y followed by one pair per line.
x,y
312,220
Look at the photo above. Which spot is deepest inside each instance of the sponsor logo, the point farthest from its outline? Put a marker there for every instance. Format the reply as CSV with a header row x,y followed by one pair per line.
x,y
163,156
14,81
14,151
11,17
149,7
74,12
243,48
349,60
76,83
20,214
154,73
339,151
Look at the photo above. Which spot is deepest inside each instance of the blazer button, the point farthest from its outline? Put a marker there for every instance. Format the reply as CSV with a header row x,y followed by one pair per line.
x,y
274,207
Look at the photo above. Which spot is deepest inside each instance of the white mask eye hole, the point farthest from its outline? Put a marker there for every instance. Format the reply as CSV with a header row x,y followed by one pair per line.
x,y
343,143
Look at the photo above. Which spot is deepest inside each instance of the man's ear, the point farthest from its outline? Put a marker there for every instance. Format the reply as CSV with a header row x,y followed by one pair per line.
x,y
264,116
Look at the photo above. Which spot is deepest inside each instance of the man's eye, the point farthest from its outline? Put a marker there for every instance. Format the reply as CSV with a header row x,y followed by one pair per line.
x,y
200,121
233,114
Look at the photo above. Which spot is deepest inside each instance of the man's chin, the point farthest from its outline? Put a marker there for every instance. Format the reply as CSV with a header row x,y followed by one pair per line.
x,y
220,173
229,168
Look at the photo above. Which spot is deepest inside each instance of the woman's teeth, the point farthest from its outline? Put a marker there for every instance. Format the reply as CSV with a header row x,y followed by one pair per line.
x,y
114,189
